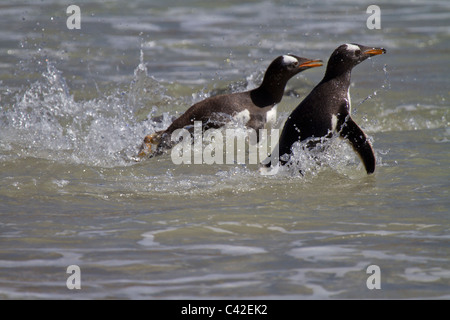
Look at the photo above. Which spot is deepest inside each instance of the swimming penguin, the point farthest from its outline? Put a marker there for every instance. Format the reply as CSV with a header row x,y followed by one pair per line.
x,y
254,106
327,108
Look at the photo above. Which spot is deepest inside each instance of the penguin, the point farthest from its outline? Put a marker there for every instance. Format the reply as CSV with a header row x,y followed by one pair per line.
x,y
326,109
254,107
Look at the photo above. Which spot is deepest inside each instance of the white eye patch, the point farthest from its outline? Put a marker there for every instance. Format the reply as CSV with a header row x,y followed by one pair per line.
x,y
289,59
352,47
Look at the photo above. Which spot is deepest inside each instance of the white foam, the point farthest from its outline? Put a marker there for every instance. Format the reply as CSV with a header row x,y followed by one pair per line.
x,y
225,249
426,275
322,253
242,117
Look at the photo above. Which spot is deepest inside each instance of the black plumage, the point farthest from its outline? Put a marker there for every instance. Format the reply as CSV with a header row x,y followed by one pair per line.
x,y
327,108
216,111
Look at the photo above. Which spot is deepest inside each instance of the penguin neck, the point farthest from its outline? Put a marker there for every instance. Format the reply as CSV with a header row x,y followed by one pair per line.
x,y
270,92
342,78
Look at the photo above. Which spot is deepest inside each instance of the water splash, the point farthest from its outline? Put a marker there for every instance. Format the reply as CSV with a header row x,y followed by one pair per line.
x,y
333,154
45,121
147,94
385,86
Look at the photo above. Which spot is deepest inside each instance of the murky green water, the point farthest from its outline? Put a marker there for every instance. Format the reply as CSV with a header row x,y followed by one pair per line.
x,y
75,104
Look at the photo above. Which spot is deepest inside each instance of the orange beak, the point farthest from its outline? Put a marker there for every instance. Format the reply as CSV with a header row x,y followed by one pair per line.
x,y
311,64
375,51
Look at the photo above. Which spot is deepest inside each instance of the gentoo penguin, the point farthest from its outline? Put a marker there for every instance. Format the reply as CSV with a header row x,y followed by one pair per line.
x,y
253,106
326,109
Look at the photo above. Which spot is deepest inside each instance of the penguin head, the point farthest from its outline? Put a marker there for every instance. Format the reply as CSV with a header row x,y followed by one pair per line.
x,y
293,64
348,55
286,66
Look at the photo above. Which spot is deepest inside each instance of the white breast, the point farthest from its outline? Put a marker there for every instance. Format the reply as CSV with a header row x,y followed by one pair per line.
x,y
271,116
349,101
334,121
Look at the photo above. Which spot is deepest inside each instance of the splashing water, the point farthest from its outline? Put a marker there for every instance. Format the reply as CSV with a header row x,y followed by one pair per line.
x,y
333,153
46,122
71,195
385,86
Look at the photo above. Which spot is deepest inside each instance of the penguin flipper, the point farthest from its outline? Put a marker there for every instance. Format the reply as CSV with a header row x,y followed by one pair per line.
x,y
359,142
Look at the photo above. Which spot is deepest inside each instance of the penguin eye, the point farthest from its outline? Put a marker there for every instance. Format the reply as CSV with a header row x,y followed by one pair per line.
x,y
295,64
357,53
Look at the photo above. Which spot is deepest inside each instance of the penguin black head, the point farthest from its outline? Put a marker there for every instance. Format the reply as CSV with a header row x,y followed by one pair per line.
x,y
289,65
348,55
284,68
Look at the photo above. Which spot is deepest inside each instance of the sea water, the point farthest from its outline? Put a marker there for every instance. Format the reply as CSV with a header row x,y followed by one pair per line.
x,y
76,104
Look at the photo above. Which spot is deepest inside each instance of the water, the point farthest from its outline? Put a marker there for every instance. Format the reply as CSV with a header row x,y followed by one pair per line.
x,y
75,104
